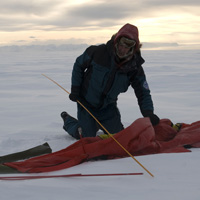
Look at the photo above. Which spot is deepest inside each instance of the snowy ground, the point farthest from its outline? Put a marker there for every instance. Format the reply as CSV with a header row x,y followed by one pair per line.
x,y
30,107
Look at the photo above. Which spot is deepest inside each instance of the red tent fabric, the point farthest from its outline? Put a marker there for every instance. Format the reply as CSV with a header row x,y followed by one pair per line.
x,y
140,138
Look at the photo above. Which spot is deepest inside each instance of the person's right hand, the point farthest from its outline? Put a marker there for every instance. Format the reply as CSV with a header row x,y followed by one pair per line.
x,y
73,97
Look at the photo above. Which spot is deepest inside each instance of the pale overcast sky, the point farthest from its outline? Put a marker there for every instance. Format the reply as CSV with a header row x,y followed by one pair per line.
x,y
94,21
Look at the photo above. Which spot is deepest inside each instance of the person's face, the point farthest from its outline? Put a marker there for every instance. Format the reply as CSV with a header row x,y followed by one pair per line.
x,y
125,47
123,50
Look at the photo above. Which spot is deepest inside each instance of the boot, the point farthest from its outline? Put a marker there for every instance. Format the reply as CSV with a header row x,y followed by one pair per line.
x,y
64,115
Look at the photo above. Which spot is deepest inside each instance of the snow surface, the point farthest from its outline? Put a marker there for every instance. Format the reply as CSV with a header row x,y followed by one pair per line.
x,y
30,107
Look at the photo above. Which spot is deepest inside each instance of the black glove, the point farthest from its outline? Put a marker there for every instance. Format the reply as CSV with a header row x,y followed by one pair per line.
x,y
153,118
74,96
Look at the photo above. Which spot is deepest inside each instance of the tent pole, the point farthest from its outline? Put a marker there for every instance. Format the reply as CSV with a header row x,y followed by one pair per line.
x,y
102,127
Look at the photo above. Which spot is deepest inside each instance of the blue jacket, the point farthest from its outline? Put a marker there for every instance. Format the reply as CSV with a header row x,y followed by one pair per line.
x,y
98,79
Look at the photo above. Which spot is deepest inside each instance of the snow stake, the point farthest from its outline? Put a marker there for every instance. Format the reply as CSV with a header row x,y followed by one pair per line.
x,y
102,127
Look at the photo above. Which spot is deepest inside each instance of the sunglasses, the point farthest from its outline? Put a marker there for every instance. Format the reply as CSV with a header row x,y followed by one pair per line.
x,y
127,42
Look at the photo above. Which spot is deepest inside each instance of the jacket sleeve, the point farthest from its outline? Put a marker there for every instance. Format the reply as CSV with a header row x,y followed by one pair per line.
x,y
142,92
80,65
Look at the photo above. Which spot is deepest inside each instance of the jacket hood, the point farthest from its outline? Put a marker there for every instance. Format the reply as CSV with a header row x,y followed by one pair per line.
x,y
130,31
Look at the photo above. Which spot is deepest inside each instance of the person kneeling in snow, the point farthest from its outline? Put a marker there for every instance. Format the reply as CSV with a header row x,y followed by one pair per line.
x,y
99,75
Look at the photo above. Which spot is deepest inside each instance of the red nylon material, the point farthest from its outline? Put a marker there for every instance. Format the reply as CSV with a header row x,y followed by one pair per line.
x,y
140,138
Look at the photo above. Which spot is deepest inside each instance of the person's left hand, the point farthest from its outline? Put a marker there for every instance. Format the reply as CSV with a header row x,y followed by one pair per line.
x,y
153,118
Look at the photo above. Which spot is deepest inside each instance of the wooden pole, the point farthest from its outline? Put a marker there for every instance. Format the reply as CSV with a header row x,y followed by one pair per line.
x,y
103,127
